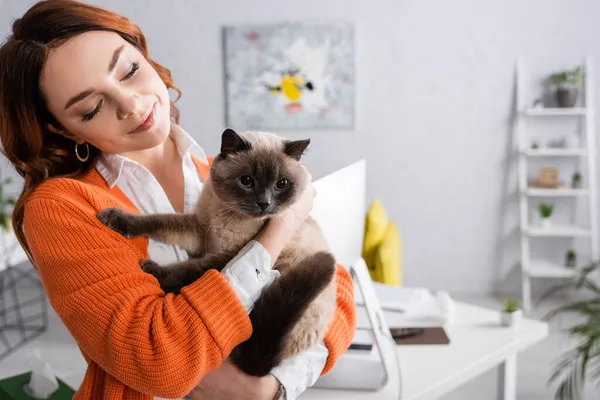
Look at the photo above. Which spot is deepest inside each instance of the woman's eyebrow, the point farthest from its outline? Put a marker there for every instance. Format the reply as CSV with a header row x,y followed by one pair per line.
x,y
80,96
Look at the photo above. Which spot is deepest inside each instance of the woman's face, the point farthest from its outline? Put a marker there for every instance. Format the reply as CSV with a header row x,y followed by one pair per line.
x,y
102,90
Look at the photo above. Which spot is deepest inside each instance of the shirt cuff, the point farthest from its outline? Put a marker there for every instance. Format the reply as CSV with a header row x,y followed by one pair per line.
x,y
298,373
249,272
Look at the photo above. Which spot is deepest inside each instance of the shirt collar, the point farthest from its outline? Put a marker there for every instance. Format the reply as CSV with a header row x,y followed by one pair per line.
x,y
110,165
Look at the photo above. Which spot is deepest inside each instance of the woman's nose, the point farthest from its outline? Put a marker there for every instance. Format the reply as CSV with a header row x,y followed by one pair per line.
x,y
127,105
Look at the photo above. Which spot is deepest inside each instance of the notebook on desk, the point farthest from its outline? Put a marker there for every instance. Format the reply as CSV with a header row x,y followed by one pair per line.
x,y
426,336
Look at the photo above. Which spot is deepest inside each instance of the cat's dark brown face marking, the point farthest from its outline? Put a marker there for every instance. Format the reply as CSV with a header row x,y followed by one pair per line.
x,y
258,174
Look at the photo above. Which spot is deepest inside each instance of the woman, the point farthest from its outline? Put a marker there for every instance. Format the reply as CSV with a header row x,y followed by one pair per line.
x,y
86,119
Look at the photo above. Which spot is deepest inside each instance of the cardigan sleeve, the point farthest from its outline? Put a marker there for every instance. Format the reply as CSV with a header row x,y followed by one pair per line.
x,y
155,343
343,324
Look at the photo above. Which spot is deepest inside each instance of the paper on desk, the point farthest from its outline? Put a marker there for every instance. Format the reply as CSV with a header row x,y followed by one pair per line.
x,y
397,298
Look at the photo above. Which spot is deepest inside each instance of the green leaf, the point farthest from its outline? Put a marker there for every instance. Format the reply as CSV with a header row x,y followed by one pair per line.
x,y
511,305
545,210
586,308
572,382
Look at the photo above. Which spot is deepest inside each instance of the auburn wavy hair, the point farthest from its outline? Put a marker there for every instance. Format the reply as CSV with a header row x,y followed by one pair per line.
x,y
36,152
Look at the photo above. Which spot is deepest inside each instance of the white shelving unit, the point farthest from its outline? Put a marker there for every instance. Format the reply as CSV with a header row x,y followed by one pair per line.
x,y
555,152
536,192
536,268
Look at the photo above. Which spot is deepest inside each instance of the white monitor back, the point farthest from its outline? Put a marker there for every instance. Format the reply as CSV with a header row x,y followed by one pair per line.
x,y
339,209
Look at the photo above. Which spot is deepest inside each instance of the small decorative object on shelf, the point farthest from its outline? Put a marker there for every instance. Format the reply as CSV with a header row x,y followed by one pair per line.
x,y
545,213
567,84
571,259
558,143
511,314
535,145
576,181
547,178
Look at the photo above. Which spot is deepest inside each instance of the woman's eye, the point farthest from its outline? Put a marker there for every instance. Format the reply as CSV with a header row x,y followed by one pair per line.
x,y
89,116
246,181
134,68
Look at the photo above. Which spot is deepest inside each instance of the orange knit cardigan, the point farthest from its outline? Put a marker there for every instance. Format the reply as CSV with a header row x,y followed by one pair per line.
x,y
138,341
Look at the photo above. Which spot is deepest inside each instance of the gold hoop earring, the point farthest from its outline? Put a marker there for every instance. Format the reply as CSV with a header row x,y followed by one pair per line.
x,y
87,152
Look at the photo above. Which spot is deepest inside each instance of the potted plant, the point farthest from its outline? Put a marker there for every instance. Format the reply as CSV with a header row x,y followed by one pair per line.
x,y
511,313
567,84
581,363
7,204
571,259
545,213
576,180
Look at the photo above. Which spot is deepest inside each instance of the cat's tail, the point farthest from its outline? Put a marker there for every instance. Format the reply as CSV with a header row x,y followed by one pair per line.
x,y
279,307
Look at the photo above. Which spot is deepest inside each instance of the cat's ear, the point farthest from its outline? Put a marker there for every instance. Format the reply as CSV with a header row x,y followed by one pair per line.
x,y
295,148
232,143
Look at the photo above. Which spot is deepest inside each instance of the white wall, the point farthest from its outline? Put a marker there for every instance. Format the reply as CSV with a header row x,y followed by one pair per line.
x,y
434,97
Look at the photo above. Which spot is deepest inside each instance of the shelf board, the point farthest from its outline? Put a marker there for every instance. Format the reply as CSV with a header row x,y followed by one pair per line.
x,y
558,231
541,112
547,269
538,192
556,152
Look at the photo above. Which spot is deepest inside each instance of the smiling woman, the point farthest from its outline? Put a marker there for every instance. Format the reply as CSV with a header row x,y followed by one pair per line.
x,y
86,120
112,78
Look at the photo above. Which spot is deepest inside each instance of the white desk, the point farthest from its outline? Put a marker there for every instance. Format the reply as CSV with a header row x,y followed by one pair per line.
x,y
477,344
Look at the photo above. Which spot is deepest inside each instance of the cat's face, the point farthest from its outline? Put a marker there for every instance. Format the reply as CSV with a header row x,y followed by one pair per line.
x,y
258,174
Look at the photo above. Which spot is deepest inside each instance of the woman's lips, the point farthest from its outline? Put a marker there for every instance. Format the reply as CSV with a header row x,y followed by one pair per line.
x,y
148,122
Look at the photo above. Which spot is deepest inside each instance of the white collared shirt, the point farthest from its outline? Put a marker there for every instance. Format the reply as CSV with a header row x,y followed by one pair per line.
x,y
148,196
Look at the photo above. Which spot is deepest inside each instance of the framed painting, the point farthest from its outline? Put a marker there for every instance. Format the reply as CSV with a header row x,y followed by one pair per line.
x,y
289,76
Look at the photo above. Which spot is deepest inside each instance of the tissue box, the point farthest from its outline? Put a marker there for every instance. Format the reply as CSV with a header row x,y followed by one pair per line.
x,y
12,389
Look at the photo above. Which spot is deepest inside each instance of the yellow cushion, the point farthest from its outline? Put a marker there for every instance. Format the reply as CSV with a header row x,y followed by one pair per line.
x,y
387,258
375,224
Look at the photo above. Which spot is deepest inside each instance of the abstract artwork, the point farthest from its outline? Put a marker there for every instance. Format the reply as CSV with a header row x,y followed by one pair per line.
x,y
290,76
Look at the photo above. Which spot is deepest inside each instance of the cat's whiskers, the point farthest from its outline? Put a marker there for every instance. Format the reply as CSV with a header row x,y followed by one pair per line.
x,y
289,216
228,207
230,220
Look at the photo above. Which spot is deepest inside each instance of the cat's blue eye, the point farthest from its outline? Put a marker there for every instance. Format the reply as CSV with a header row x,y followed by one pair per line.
x,y
245,181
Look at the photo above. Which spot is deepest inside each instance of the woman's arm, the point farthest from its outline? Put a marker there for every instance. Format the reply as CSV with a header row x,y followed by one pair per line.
x,y
118,314
343,324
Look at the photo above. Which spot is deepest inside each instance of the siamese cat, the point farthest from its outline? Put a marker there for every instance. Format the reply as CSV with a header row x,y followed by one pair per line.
x,y
255,177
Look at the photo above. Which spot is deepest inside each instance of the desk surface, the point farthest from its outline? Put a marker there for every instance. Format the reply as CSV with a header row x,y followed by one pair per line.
x,y
477,343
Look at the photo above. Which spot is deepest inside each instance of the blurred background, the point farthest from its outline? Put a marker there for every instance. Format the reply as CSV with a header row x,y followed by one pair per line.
x,y
434,100
427,95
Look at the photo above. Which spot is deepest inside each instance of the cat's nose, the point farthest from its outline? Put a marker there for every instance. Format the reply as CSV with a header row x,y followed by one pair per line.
x,y
263,204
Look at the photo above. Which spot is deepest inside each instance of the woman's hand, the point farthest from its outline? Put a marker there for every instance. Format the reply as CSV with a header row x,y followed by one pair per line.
x,y
229,383
297,212
280,229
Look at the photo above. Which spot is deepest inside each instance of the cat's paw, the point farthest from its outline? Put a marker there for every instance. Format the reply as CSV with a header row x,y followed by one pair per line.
x,y
118,220
151,267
